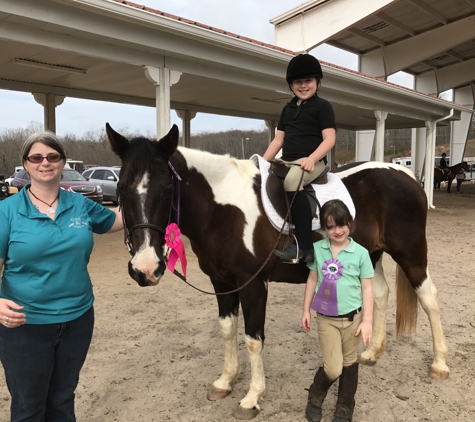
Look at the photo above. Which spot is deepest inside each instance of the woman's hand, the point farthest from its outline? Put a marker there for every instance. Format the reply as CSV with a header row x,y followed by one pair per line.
x,y
9,316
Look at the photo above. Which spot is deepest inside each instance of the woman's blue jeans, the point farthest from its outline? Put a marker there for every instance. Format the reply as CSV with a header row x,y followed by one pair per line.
x,y
42,365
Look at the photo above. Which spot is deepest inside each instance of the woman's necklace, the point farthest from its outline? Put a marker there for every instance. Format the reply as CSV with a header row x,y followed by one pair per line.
x,y
50,209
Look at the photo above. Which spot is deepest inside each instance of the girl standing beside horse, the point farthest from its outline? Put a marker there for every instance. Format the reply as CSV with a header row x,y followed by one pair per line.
x,y
341,277
306,134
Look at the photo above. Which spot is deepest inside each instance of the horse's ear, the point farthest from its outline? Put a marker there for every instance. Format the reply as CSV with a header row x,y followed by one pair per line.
x,y
169,143
118,143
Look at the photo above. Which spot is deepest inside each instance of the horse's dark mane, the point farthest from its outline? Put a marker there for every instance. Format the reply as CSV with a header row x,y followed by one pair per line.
x,y
138,160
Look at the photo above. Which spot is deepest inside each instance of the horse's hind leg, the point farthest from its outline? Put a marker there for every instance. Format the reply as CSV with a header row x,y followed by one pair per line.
x,y
228,323
380,296
427,294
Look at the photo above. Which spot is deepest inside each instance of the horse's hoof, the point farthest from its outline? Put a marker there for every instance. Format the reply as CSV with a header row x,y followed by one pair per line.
x,y
244,414
216,393
367,362
438,374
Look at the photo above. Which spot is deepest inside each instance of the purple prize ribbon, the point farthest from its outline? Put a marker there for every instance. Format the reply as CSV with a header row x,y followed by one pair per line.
x,y
326,301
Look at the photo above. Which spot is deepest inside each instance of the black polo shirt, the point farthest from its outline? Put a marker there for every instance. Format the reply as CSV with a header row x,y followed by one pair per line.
x,y
303,126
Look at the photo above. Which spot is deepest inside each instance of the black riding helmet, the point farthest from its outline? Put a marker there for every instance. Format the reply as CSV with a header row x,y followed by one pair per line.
x,y
303,66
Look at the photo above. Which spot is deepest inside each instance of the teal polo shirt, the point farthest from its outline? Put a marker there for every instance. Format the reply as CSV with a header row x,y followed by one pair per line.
x,y
356,265
45,260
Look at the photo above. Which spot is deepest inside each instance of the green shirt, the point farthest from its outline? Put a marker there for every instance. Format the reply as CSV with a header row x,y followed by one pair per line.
x,y
356,265
45,267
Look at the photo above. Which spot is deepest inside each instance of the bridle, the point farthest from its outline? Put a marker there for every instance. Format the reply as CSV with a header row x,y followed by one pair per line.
x,y
128,232
176,207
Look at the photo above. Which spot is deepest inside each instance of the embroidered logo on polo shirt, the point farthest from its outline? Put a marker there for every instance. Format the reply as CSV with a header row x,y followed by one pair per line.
x,y
77,223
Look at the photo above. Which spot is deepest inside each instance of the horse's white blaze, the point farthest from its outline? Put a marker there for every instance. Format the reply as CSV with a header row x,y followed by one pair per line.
x,y
380,309
258,379
427,294
229,329
145,259
231,182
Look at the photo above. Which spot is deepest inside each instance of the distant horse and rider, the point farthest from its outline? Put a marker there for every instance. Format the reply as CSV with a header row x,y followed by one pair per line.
x,y
448,174
216,201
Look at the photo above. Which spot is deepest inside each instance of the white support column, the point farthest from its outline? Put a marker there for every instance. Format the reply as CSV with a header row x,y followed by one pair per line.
x,y
379,135
430,157
418,151
429,162
272,126
459,129
364,145
162,78
49,102
186,116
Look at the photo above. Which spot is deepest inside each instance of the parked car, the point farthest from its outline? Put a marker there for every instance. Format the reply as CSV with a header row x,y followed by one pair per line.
x,y
71,181
8,180
5,190
106,178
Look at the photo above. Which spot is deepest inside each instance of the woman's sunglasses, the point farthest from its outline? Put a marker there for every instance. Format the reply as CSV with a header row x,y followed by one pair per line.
x,y
38,158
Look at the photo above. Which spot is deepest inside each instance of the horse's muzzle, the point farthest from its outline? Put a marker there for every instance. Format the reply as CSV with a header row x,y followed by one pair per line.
x,y
147,279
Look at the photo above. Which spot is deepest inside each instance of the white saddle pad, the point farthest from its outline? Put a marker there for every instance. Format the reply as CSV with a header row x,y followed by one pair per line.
x,y
333,189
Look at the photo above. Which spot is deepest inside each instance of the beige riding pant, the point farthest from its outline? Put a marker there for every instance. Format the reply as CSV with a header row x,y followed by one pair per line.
x,y
292,180
338,342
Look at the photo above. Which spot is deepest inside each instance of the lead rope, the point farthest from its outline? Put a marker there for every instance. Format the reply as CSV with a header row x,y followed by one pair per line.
x,y
182,277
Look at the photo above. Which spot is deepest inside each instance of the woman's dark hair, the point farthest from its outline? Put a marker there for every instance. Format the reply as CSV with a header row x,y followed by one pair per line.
x,y
47,138
338,211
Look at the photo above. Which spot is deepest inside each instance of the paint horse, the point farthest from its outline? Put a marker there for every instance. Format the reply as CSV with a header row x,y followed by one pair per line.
x,y
222,215
440,176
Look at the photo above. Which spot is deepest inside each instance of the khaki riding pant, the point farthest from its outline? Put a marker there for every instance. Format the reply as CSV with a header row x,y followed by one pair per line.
x,y
292,180
338,342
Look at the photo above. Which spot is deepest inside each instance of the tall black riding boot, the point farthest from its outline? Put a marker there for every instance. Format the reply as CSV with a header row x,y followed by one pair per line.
x,y
345,404
301,212
316,394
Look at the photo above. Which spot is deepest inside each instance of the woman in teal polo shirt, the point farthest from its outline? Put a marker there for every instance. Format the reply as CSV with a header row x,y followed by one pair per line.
x,y
46,297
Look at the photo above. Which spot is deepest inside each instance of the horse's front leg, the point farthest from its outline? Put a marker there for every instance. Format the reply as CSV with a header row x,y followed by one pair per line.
x,y
427,295
228,322
253,302
380,296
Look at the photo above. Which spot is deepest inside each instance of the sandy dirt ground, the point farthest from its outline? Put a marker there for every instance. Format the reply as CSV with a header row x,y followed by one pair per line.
x,y
156,349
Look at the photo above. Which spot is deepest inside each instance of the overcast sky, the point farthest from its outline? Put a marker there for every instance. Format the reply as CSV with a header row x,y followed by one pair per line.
x,y
244,17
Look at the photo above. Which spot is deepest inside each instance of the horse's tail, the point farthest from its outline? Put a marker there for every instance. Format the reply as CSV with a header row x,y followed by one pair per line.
x,y
406,305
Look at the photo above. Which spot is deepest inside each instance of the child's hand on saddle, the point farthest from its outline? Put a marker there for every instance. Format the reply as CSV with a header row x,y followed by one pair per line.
x,y
307,164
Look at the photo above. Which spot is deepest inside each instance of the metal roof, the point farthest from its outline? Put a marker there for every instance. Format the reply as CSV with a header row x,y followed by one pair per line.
x,y
97,49
446,26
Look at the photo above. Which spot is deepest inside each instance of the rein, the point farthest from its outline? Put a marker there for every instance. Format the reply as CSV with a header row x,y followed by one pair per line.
x,y
127,233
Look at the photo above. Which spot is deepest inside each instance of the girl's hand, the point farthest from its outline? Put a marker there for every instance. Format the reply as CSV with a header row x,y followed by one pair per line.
x,y
306,320
307,164
366,330
8,317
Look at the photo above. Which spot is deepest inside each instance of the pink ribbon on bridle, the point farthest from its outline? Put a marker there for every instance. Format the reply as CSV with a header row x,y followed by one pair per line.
x,y
176,246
